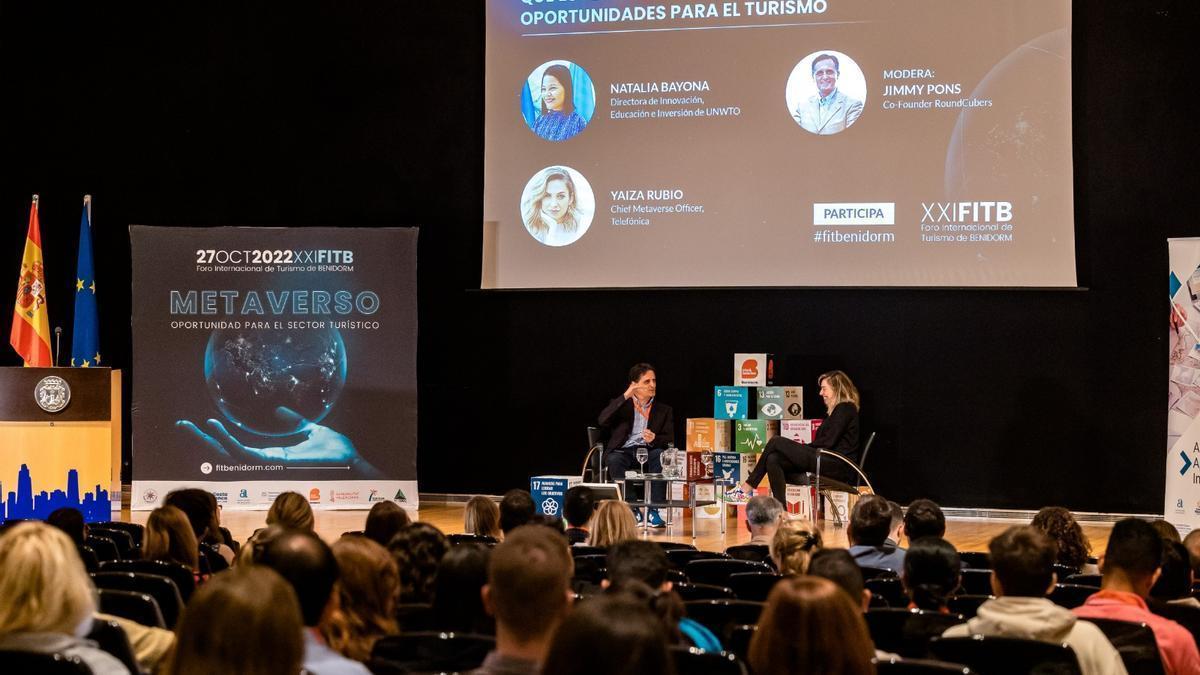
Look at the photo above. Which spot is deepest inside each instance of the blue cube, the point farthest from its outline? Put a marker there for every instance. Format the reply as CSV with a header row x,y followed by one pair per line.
x,y
731,403
549,492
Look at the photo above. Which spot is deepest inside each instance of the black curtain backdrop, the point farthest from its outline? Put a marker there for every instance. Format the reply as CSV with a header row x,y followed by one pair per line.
x,y
370,114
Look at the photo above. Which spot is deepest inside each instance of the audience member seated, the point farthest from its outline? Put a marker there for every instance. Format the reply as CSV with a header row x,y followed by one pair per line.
x,y
418,549
482,516
639,568
838,566
932,572
1166,530
555,523
1192,543
870,523
169,538
897,527
764,513
578,506
923,518
150,644
529,592
246,621
608,635
457,603
1174,585
252,551
1022,574
1130,566
612,523
516,509
201,510
46,597
70,521
809,625
793,546
291,510
309,566
1073,547
383,522
367,588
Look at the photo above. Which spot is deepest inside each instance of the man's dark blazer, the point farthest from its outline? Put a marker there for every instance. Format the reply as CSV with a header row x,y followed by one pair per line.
x,y
617,420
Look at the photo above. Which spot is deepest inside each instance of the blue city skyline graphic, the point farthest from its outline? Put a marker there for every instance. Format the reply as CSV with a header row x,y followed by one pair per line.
x,y
24,504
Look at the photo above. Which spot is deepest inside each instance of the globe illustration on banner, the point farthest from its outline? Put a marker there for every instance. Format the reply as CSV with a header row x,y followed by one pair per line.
x,y
251,374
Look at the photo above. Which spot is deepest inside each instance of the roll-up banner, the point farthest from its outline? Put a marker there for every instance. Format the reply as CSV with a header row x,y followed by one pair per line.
x,y
275,359
1182,507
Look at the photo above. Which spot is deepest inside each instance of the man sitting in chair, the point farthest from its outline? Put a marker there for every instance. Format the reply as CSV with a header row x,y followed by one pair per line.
x,y
635,419
870,523
1022,574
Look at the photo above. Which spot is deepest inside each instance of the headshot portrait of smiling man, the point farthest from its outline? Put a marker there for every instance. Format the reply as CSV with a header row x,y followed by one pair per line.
x,y
829,111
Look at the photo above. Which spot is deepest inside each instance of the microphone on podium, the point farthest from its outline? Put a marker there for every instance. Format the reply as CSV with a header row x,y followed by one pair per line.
x,y
57,343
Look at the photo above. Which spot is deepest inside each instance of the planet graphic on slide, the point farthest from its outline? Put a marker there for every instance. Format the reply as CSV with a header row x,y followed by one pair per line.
x,y
252,373
1021,145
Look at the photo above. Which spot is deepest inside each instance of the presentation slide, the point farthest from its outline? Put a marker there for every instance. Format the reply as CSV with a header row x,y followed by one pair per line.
x,y
778,143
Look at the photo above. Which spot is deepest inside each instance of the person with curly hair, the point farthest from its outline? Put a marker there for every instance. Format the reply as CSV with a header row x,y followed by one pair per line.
x,y
418,549
367,588
1073,546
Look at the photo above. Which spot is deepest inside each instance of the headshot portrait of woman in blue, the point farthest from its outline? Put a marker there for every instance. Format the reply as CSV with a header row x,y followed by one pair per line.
x,y
558,100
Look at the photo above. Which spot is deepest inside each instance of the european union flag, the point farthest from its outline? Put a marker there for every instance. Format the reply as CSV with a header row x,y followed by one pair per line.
x,y
85,339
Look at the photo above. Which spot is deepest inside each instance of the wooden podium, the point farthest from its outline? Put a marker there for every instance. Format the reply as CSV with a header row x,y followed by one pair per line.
x,y
71,457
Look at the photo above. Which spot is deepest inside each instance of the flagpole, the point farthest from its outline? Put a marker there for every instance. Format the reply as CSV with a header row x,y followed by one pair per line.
x,y
87,204
35,202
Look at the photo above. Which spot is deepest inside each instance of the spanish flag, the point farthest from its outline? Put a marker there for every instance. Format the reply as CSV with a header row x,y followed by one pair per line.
x,y
31,322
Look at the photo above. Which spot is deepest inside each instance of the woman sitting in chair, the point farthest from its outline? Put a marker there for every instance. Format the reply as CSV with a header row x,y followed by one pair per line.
x,y
839,433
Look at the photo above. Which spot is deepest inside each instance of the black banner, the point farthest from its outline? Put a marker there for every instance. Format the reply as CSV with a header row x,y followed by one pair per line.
x,y
270,359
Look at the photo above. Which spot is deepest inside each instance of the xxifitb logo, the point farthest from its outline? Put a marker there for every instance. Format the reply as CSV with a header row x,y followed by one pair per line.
x,y
967,221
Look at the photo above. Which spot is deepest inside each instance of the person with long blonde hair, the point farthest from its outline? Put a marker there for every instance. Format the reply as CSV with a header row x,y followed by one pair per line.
x,y
794,545
46,597
367,589
169,537
809,625
612,523
551,210
482,516
291,510
838,434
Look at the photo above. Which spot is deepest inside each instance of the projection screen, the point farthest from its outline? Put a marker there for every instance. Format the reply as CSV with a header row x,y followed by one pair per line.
x,y
778,143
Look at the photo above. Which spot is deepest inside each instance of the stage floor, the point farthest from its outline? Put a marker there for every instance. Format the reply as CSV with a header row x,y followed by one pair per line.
x,y
965,534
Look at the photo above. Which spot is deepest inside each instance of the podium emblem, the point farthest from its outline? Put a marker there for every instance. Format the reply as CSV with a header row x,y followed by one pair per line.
x,y
52,394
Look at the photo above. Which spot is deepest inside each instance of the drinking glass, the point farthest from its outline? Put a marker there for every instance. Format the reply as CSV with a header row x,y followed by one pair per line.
x,y
642,455
668,463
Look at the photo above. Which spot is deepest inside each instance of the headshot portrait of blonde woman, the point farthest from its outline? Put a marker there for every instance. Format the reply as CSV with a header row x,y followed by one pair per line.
x,y
558,100
557,206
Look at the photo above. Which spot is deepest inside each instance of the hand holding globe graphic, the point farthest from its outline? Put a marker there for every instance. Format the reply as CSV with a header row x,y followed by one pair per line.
x,y
274,383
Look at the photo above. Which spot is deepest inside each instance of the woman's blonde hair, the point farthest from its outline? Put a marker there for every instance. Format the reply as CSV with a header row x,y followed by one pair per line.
x,y
612,523
169,537
43,585
367,590
291,510
532,206
482,516
844,390
794,545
